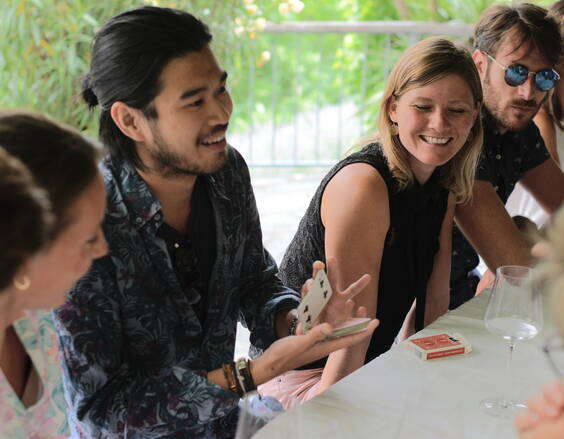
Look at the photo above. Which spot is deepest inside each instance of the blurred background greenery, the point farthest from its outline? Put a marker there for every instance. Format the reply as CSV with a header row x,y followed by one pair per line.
x,y
45,49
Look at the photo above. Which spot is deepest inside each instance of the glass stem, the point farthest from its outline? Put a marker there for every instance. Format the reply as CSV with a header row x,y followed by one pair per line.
x,y
508,373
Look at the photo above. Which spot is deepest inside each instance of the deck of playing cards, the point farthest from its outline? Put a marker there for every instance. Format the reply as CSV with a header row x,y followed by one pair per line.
x,y
438,346
313,303
350,326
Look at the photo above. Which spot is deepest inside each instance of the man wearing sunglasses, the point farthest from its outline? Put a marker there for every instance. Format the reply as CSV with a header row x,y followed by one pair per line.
x,y
516,51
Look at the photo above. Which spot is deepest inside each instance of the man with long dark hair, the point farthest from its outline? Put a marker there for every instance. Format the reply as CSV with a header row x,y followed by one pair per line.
x,y
148,334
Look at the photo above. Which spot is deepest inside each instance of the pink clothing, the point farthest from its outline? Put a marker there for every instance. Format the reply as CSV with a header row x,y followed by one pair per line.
x,y
47,417
293,387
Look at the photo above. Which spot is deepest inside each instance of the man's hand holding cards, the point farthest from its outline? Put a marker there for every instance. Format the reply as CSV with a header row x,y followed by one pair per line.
x,y
317,298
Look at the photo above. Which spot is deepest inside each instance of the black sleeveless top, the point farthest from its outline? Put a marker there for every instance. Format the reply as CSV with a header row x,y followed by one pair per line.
x,y
416,216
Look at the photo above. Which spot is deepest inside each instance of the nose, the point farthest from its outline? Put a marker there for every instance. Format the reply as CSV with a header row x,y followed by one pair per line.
x,y
527,90
439,120
220,112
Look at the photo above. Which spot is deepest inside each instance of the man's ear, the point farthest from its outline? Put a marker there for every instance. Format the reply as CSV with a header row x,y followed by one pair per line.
x,y
481,61
129,120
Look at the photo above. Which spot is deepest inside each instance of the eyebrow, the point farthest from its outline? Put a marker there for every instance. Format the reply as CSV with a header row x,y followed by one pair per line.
x,y
454,101
189,93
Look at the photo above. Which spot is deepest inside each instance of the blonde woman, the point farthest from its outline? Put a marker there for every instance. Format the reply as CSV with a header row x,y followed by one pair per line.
x,y
40,260
388,209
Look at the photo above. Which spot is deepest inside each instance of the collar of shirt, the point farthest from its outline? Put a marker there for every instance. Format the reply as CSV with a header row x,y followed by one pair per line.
x,y
491,130
137,200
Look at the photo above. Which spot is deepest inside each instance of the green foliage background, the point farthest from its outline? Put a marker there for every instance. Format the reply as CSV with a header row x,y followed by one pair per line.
x,y
45,49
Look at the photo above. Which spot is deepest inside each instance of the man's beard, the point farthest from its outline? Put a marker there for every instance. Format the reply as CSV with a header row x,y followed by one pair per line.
x,y
501,114
167,163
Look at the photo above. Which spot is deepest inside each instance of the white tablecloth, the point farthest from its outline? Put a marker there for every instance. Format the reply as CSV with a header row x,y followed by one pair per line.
x,y
399,396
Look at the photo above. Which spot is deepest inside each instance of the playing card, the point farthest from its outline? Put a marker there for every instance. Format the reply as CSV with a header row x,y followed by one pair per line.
x,y
313,303
351,326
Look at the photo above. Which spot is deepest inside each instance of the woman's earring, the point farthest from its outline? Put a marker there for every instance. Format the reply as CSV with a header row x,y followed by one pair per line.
x,y
22,284
394,129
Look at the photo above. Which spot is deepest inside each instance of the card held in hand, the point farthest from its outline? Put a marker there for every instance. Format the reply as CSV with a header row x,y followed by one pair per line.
x,y
315,300
313,303
350,326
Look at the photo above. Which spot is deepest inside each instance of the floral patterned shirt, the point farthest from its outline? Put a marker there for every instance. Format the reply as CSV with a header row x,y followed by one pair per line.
x,y
503,161
46,419
135,355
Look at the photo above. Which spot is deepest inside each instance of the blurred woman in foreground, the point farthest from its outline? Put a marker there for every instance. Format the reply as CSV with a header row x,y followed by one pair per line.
x,y
544,417
53,201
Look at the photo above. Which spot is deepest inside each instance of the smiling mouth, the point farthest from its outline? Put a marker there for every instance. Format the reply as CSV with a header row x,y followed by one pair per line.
x,y
213,140
436,140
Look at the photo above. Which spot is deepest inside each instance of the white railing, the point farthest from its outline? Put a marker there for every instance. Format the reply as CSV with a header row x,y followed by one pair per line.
x,y
317,136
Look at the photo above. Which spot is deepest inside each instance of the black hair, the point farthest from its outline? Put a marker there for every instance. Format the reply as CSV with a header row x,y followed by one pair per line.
x,y
26,219
129,53
61,161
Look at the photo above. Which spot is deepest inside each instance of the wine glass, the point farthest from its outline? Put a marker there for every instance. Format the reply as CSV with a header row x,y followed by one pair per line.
x,y
514,312
255,411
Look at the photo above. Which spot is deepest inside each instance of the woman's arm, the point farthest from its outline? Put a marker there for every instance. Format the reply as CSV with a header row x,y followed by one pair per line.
x,y
355,214
438,290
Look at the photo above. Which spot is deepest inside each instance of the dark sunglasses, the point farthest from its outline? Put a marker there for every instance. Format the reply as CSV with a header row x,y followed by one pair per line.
x,y
516,74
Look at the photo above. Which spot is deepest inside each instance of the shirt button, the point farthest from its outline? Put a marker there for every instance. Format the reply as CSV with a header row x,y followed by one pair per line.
x,y
157,216
176,245
138,220
498,156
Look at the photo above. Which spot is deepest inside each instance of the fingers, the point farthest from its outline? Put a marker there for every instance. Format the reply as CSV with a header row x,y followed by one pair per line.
x,y
316,266
314,345
349,306
548,405
351,340
540,408
305,288
357,286
541,250
554,393
319,333
525,421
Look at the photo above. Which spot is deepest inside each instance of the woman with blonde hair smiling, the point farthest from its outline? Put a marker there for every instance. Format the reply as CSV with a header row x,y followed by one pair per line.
x,y
53,202
388,209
